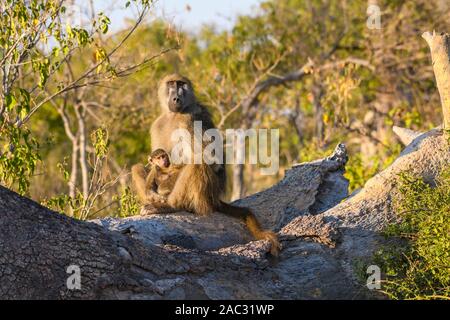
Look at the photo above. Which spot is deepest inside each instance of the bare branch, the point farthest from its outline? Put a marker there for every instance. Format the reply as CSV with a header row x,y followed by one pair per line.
x,y
75,83
261,86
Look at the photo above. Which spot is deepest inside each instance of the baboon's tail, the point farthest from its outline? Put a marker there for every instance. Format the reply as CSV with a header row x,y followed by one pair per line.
x,y
252,223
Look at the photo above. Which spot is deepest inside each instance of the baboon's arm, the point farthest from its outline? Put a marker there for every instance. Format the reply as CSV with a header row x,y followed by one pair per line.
x,y
144,189
138,176
150,181
144,186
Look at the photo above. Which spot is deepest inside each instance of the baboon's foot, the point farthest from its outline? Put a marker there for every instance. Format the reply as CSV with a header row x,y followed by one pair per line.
x,y
149,209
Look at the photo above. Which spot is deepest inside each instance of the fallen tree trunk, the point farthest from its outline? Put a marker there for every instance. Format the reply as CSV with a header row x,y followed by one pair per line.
x,y
37,246
320,249
182,256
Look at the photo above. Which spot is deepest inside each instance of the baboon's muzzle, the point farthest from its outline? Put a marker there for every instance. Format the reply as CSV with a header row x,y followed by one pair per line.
x,y
175,103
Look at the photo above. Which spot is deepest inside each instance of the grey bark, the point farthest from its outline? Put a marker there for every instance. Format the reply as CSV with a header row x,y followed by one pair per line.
x,y
182,256
405,135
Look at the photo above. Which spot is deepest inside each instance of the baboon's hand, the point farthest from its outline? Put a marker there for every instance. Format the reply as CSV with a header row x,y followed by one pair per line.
x,y
148,210
153,197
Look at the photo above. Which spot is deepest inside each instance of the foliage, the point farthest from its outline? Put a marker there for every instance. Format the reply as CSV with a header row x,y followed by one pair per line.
x,y
82,205
420,268
358,170
37,42
362,82
26,27
18,159
340,92
128,203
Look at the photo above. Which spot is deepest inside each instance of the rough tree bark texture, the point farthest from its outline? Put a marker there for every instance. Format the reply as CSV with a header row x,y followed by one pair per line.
x,y
320,248
182,256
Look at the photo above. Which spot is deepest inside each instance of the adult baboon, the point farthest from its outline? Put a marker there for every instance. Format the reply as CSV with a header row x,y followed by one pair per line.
x,y
199,187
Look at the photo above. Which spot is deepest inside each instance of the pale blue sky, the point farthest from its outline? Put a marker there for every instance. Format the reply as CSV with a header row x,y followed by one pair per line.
x,y
222,12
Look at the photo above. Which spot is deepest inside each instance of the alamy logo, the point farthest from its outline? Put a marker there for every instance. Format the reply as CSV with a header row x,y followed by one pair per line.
x,y
374,19
74,280
208,147
374,280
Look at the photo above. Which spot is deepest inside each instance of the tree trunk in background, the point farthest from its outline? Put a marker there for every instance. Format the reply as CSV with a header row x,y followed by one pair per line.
x,y
317,93
73,136
80,113
73,172
440,54
297,120
238,182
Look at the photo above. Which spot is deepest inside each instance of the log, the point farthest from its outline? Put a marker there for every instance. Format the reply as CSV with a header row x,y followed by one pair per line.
x,y
307,188
320,246
405,135
37,246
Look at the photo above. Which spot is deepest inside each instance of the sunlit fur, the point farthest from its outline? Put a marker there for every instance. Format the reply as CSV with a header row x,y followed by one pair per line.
x,y
162,178
199,187
151,200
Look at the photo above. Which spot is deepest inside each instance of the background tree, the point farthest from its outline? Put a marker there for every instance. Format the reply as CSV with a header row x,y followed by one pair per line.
x,y
311,68
43,63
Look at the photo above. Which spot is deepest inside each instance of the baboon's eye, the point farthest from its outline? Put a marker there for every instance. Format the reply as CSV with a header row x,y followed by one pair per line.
x,y
171,83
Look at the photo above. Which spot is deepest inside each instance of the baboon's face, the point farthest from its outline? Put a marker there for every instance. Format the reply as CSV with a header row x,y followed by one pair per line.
x,y
161,161
179,95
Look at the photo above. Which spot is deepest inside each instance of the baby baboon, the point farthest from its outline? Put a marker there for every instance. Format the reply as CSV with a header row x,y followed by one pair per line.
x,y
199,187
163,174
158,183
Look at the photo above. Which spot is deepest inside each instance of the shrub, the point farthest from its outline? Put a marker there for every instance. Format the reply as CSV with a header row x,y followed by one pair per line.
x,y
420,267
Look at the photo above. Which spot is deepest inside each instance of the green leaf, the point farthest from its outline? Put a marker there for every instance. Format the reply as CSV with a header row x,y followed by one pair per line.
x,y
104,28
10,102
25,96
56,51
104,23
